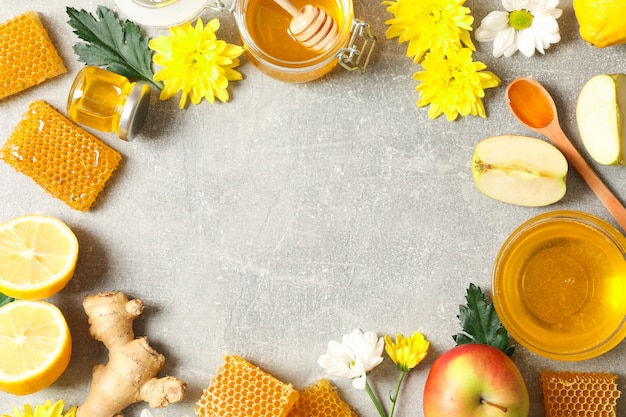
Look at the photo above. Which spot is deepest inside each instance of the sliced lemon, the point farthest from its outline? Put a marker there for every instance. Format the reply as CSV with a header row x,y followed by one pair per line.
x,y
37,256
35,346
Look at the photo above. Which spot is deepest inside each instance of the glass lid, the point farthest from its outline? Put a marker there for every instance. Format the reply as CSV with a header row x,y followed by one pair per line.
x,y
161,13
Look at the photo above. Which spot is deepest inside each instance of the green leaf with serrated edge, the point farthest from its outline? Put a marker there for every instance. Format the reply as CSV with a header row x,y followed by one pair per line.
x,y
109,44
481,323
4,299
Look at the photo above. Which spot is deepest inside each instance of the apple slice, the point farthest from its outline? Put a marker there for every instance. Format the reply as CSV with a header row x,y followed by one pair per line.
x,y
600,112
519,170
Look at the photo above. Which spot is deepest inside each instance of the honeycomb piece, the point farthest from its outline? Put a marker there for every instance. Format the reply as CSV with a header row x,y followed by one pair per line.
x,y
321,400
578,394
67,161
240,389
27,56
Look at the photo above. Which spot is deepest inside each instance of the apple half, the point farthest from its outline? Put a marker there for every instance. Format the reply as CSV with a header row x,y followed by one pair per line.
x,y
519,170
600,114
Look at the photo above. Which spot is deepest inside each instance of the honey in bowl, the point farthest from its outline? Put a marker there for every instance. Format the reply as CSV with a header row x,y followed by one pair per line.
x,y
560,285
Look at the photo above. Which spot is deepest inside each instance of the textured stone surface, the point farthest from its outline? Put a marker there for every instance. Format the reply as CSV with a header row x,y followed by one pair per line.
x,y
267,226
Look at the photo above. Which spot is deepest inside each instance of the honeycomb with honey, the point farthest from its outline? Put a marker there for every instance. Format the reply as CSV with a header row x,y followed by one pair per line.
x,y
240,389
579,394
27,55
321,400
65,160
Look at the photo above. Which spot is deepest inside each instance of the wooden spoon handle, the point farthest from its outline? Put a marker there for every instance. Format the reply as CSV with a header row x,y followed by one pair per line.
x,y
289,8
596,184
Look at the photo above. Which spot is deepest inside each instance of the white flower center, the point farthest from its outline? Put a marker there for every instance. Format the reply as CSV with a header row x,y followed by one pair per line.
x,y
520,19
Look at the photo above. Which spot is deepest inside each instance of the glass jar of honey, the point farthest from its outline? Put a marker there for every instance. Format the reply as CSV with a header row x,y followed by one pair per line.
x,y
108,102
264,30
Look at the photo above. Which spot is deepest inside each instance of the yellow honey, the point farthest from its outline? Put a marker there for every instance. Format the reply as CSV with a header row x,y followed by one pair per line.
x,y
240,389
578,394
560,285
269,27
65,160
108,102
264,29
27,56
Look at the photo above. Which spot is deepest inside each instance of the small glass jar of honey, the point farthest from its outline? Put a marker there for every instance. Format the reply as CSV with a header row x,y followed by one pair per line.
x,y
108,102
264,28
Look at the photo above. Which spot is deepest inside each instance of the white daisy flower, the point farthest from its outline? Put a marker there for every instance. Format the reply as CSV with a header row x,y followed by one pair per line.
x,y
358,353
527,25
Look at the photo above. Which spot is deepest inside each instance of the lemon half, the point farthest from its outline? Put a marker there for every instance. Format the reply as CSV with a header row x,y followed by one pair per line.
x,y
38,256
35,346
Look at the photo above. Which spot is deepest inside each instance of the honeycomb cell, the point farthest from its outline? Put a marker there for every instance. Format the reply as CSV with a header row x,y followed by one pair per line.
x,y
27,56
321,400
66,161
578,394
265,396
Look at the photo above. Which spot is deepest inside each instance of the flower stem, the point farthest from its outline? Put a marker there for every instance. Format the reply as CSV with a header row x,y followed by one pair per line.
x,y
394,397
375,400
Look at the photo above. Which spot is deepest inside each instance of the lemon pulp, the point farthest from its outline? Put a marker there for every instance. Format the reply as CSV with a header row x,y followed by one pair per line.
x,y
35,346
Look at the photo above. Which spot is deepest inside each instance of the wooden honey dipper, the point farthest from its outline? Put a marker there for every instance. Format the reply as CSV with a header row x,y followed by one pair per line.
x,y
311,26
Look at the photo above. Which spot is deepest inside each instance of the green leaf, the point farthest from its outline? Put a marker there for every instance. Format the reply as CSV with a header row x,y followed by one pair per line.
x,y
481,323
5,299
113,45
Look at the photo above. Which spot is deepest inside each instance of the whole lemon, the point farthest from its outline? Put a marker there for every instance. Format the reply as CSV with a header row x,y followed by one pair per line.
x,y
602,22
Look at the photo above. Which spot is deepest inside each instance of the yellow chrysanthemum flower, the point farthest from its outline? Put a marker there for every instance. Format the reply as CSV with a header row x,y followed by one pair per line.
x,y
407,352
43,410
195,63
435,25
453,84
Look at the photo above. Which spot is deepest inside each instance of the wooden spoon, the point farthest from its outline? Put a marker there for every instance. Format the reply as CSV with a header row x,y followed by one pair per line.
x,y
311,26
533,106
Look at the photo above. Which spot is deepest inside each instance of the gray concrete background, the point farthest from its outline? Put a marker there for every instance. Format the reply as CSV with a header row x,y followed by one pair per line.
x,y
269,225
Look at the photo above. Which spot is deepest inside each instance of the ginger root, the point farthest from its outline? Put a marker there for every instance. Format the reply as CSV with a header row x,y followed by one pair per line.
x,y
130,374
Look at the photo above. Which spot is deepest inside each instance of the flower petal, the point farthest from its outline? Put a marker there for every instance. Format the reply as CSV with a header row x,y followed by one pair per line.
x,y
492,23
505,43
511,5
527,41
360,381
429,25
195,63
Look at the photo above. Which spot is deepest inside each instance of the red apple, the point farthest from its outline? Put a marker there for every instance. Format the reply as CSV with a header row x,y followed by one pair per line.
x,y
475,380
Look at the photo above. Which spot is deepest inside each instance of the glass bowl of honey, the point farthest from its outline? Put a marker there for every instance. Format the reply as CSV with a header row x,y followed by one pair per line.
x,y
559,285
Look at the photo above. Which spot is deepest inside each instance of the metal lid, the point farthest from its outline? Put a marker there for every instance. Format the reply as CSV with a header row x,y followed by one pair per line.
x,y
161,13
135,110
